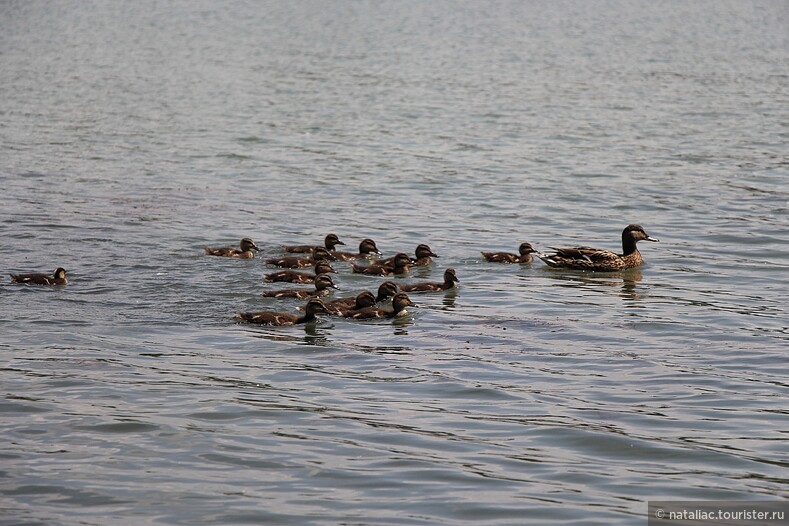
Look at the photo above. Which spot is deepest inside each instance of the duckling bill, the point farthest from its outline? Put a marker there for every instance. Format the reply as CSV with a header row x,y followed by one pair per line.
x,y
57,278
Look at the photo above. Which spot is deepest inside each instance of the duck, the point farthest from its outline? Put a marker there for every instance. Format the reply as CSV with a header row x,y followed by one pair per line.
x,y
57,278
386,290
366,248
322,285
331,241
318,254
400,265
247,246
399,302
600,260
422,253
344,305
525,251
449,282
313,307
293,276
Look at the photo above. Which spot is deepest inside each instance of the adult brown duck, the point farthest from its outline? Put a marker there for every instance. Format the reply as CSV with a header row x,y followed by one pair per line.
x,y
600,260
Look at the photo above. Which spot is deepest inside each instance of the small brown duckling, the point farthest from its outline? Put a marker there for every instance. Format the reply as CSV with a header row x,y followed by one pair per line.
x,y
322,285
449,282
525,250
595,259
294,276
366,248
247,247
344,305
58,278
313,307
331,241
318,254
399,302
386,290
400,265
422,253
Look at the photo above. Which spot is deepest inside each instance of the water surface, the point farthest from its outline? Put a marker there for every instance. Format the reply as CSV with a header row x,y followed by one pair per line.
x,y
135,134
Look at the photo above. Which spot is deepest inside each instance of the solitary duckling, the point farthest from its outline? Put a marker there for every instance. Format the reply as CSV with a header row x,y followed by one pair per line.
x,y
399,302
386,290
587,258
525,250
344,305
329,242
58,278
246,252
294,276
366,248
449,281
313,307
422,253
400,265
322,285
318,254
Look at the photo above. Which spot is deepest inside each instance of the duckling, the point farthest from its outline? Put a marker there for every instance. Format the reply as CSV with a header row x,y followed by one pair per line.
x,y
400,265
399,302
386,290
344,305
313,307
322,285
422,253
58,278
366,248
293,276
329,242
595,259
449,281
246,252
525,251
318,254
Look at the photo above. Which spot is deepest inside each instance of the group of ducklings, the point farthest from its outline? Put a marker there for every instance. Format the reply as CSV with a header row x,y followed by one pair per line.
x,y
365,305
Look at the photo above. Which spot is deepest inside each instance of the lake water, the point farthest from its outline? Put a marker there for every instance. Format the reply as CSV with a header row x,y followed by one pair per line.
x,y
133,134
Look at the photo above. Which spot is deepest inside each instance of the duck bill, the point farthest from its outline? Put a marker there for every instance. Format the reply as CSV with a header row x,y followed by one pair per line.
x,y
648,238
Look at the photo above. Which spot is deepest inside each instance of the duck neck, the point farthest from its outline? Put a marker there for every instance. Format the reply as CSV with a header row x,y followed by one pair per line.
x,y
628,245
